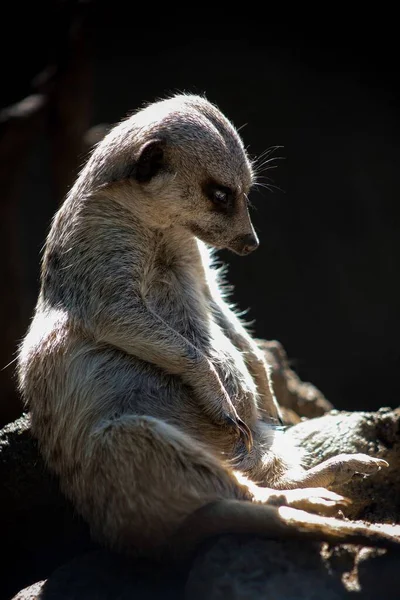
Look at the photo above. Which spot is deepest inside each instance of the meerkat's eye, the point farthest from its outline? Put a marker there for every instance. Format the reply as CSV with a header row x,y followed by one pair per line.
x,y
221,196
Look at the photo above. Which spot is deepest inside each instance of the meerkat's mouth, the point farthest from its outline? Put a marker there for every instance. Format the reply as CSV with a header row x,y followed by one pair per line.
x,y
241,244
204,235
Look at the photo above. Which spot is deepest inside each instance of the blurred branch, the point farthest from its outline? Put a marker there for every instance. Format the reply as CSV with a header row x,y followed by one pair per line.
x,y
59,107
19,126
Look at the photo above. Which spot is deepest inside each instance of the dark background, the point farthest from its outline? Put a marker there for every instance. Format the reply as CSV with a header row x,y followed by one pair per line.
x,y
325,279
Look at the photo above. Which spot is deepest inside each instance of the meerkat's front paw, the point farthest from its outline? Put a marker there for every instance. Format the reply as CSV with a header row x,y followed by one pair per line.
x,y
314,500
344,466
337,470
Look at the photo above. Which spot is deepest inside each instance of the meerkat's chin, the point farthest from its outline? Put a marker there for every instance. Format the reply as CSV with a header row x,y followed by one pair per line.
x,y
240,253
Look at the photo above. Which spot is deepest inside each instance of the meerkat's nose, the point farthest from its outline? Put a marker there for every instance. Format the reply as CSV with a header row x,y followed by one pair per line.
x,y
250,243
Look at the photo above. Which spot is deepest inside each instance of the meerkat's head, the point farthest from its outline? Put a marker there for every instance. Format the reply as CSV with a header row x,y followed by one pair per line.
x,y
180,162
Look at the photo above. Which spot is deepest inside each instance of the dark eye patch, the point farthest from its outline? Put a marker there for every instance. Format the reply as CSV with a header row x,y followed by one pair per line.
x,y
222,197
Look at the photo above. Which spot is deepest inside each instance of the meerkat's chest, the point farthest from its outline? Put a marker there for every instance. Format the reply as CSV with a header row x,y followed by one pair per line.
x,y
182,301
178,298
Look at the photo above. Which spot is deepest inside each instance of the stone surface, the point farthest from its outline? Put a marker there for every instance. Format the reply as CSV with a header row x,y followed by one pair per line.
x,y
40,527
377,498
101,575
249,569
231,568
296,397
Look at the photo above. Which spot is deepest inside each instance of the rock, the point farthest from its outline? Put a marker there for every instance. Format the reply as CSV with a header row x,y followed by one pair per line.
x,y
377,498
102,575
234,568
297,398
24,477
40,527
255,569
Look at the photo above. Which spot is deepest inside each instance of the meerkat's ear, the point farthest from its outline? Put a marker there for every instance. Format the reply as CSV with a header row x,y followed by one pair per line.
x,y
150,161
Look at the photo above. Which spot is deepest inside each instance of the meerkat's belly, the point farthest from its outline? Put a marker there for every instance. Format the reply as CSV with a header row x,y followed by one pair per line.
x,y
93,383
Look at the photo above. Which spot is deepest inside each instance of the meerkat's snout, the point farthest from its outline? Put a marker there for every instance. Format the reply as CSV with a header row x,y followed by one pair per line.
x,y
245,244
244,239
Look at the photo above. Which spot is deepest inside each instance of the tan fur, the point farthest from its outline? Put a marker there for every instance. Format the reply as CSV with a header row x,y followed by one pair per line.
x,y
149,398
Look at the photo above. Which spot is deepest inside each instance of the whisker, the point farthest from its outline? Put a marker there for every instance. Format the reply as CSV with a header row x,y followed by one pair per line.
x,y
263,161
263,178
266,153
268,168
249,204
262,164
260,185
268,186
267,161
276,187
9,364
264,158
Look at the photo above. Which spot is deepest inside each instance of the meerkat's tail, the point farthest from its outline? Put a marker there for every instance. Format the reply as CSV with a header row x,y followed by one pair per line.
x,y
235,516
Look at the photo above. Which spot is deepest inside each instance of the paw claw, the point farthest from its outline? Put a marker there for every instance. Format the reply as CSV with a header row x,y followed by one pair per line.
x,y
346,465
367,465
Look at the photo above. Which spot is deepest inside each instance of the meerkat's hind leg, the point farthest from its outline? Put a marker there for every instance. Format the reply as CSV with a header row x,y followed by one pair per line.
x,y
335,471
142,477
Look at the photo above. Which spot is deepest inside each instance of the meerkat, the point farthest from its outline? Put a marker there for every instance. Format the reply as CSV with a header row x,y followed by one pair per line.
x,y
150,399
